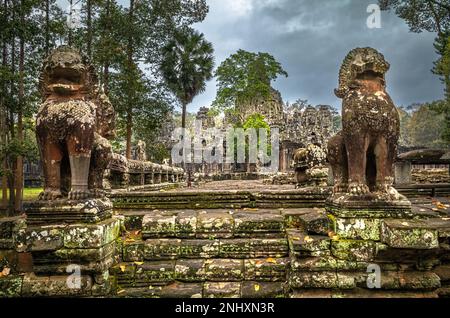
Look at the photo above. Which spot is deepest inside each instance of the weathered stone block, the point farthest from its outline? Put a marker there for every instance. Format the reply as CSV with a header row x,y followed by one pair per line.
x,y
415,234
43,238
312,221
186,224
91,235
263,289
303,244
157,224
258,223
214,225
253,248
326,263
354,250
84,254
200,248
182,290
155,272
224,270
59,286
357,228
222,290
192,270
160,249
269,269
321,280
56,212
343,207
419,280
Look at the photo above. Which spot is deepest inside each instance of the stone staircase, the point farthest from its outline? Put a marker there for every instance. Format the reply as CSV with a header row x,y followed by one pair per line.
x,y
210,253
262,244
260,248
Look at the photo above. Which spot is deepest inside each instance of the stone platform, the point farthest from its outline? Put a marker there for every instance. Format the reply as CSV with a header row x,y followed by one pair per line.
x,y
179,244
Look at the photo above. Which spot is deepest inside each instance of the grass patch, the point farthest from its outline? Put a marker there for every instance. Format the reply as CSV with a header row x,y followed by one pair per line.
x,y
29,194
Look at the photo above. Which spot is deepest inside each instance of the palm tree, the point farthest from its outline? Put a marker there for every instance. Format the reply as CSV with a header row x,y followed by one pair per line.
x,y
187,65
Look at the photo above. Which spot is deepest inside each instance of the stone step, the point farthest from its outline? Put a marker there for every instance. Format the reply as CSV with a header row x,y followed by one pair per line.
x,y
397,280
246,289
359,293
414,234
202,199
225,222
167,249
142,274
302,244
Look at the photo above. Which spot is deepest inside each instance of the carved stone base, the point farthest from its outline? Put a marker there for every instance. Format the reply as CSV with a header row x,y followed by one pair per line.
x,y
372,205
92,248
66,211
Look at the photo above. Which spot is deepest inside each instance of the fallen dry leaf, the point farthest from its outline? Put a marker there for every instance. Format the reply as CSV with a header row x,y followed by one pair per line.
x,y
139,263
257,287
271,260
123,268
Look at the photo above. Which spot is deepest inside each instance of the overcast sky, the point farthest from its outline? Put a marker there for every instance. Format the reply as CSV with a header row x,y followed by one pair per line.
x,y
311,38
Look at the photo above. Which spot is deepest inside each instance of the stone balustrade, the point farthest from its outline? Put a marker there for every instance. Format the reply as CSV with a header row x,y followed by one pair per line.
x,y
125,173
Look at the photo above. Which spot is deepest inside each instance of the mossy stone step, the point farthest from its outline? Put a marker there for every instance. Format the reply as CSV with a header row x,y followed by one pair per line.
x,y
414,234
212,224
140,274
167,249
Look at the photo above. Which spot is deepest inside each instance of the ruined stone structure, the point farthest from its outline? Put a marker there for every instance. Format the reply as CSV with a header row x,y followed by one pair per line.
x,y
271,108
311,168
262,241
73,126
141,151
138,175
314,125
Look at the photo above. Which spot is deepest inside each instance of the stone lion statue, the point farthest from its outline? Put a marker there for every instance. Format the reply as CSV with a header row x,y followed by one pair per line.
x,y
362,154
73,126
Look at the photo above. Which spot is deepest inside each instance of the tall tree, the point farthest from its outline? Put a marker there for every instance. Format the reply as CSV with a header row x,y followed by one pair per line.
x,y
431,16
187,66
245,77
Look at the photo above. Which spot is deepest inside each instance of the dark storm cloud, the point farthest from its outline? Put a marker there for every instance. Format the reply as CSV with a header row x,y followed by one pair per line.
x,y
311,38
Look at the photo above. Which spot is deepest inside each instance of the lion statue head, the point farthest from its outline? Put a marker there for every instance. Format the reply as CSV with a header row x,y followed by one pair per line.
x,y
360,64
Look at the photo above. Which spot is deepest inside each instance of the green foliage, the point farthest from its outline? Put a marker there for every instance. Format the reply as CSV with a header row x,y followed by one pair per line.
x,y
421,15
431,16
422,126
245,76
442,65
257,121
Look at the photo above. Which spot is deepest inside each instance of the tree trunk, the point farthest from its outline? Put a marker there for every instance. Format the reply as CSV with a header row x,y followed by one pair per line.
x,y
47,27
89,28
69,37
130,93
10,163
3,116
106,64
183,115
129,132
19,163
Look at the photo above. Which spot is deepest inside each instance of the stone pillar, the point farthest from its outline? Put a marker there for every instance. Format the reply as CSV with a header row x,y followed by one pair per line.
x,y
403,173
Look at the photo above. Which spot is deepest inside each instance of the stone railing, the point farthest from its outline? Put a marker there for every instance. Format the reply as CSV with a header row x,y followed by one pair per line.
x,y
125,173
